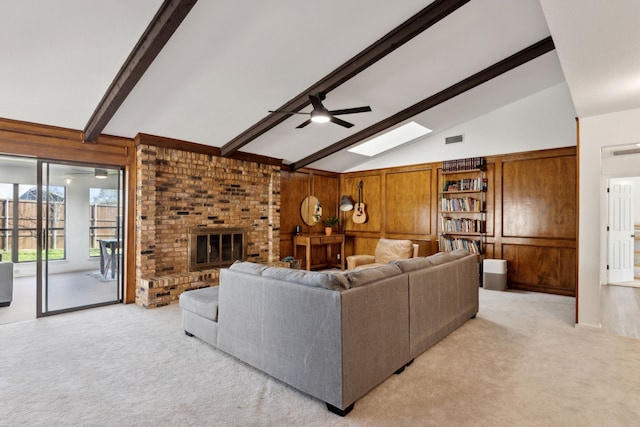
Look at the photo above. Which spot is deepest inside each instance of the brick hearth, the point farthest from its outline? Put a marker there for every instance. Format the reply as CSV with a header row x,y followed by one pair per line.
x,y
177,190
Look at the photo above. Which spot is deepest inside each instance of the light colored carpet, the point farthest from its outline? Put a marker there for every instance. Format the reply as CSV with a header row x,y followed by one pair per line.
x,y
519,363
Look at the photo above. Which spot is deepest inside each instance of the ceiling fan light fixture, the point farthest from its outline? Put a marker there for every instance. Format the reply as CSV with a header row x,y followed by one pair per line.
x,y
101,173
320,116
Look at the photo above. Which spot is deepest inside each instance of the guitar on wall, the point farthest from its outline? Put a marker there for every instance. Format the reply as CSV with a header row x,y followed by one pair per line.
x,y
359,215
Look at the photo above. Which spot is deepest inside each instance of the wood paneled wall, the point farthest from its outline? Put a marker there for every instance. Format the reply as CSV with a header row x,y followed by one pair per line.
x,y
294,187
536,219
531,212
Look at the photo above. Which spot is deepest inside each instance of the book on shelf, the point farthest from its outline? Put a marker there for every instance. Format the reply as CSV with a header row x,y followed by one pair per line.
x,y
462,225
448,244
463,164
468,184
461,204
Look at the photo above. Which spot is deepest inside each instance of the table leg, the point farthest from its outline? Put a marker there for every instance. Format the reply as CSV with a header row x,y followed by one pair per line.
x,y
114,266
308,256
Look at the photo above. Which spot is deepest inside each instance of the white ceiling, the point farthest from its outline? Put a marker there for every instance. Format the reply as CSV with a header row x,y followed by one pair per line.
x,y
231,61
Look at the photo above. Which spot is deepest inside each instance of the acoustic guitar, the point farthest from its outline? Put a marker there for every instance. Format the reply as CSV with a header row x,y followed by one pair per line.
x,y
359,215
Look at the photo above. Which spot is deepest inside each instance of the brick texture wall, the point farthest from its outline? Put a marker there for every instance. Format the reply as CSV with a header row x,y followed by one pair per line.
x,y
179,189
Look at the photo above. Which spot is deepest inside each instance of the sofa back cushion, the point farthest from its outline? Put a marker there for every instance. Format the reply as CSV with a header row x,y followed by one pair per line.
x,y
440,258
393,249
364,276
248,267
459,253
411,264
318,279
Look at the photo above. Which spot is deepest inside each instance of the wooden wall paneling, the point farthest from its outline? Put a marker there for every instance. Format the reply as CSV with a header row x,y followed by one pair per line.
x,y
541,268
371,197
325,188
494,208
294,187
365,245
541,258
539,198
490,251
407,203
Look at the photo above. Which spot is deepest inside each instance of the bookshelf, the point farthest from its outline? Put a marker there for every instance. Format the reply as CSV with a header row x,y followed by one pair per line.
x,y
462,205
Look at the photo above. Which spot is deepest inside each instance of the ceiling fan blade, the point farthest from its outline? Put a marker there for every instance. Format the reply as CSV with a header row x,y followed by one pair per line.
x,y
301,125
341,122
350,110
286,112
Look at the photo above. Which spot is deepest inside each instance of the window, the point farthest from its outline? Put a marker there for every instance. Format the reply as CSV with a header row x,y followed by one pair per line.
x,y
18,222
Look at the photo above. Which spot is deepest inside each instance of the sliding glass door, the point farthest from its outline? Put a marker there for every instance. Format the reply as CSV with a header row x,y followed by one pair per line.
x,y
79,236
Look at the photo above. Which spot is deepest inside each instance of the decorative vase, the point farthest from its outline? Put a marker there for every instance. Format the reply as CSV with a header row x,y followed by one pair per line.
x,y
328,230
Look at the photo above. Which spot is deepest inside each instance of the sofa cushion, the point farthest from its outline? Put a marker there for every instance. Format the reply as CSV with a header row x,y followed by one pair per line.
x,y
318,279
203,302
411,264
459,253
440,258
248,267
393,249
360,277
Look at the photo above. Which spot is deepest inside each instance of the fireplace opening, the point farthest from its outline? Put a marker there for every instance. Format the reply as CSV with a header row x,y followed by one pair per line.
x,y
215,247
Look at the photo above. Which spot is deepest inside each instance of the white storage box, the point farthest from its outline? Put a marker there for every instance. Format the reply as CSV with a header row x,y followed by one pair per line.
x,y
494,274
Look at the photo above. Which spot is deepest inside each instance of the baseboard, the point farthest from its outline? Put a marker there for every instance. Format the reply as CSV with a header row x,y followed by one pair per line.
x,y
588,327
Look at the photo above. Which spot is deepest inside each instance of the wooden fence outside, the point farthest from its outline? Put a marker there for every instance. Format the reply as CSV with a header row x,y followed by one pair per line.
x,y
103,224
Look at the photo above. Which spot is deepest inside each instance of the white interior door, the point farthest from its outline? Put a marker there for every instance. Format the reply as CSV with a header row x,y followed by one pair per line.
x,y
620,233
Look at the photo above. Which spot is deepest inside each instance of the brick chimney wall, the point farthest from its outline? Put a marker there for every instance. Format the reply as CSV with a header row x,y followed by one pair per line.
x,y
179,189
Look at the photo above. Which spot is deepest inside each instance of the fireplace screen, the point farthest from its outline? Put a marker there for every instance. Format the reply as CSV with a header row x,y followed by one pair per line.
x,y
215,247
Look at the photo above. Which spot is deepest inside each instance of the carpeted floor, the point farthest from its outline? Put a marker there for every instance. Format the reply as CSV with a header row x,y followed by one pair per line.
x,y
521,362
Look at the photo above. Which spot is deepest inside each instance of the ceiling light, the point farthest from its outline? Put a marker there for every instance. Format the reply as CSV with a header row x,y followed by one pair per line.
x,y
101,173
320,116
398,136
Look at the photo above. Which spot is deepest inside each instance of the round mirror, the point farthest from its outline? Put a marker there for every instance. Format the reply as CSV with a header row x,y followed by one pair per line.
x,y
311,210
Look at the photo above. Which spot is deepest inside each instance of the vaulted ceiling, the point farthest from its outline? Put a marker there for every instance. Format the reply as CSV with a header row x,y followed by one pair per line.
x,y
228,63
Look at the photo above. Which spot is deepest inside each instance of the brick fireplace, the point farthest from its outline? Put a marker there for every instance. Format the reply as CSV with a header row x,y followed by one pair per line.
x,y
178,191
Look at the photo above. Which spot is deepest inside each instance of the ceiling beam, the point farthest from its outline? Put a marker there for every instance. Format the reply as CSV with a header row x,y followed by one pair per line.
x,y
507,64
166,21
415,25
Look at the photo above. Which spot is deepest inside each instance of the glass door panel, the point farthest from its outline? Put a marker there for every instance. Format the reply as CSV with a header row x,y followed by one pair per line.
x,y
80,211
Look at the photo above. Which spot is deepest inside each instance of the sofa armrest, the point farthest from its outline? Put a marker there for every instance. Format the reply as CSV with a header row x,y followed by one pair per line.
x,y
355,260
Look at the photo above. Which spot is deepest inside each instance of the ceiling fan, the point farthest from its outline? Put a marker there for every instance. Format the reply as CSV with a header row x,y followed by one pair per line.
x,y
320,114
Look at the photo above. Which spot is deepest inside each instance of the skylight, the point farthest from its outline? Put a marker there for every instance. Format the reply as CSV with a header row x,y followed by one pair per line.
x,y
398,136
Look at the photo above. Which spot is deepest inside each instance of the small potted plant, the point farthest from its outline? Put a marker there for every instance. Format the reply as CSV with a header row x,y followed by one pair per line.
x,y
329,223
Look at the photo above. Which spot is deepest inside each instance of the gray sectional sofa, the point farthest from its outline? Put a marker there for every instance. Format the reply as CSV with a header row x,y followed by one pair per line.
x,y
334,336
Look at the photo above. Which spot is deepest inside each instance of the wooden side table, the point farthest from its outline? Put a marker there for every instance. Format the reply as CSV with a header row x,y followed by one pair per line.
x,y
309,240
